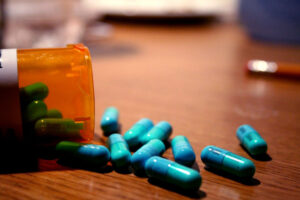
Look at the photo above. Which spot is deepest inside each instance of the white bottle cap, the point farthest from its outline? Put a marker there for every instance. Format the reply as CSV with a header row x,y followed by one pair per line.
x,y
10,108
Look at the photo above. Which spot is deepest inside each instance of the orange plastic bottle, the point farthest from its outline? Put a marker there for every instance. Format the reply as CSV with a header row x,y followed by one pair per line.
x,y
67,72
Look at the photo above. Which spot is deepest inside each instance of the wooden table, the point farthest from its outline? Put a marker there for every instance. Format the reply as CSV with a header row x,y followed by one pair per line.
x,y
192,76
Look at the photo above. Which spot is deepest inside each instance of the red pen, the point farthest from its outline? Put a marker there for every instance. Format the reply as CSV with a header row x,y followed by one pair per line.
x,y
273,68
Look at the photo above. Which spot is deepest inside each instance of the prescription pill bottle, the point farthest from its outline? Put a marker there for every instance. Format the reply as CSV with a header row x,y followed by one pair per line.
x,y
46,94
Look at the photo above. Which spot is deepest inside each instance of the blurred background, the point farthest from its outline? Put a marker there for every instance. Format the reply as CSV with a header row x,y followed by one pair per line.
x,y
44,23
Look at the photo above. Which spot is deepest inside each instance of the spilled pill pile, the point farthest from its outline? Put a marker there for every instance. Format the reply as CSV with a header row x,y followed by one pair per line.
x,y
147,141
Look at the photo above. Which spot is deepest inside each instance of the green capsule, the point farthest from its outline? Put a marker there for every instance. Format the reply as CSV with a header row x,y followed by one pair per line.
x,y
173,173
61,128
120,154
36,91
34,111
53,113
83,154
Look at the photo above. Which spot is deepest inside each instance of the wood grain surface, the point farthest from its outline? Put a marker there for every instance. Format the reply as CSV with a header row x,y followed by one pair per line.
x,y
192,76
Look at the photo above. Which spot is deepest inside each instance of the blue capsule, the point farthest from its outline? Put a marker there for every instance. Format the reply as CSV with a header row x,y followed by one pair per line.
x,y
251,140
83,154
136,131
183,151
109,122
119,152
161,131
223,160
153,148
173,173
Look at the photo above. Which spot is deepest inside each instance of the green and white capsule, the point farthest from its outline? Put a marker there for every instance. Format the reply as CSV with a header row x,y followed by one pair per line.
x,y
120,154
251,140
109,122
33,111
183,151
58,128
140,128
36,91
153,148
173,173
223,160
161,131
83,154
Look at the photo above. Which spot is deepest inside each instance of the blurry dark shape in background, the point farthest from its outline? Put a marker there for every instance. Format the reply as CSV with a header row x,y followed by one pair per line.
x,y
2,20
274,21
162,20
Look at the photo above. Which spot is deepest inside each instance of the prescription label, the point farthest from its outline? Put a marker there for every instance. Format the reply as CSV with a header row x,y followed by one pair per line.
x,y
10,109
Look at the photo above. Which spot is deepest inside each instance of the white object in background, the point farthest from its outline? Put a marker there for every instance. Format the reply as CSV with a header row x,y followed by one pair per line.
x,y
168,8
44,23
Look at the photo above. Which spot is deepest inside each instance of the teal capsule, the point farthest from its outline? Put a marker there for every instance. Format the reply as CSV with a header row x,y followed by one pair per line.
x,y
173,173
53,113
36,91
153,148
34,111
84,154
120,154
136,131
223,160
251,140
109,122
161,131
183,151
58,128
